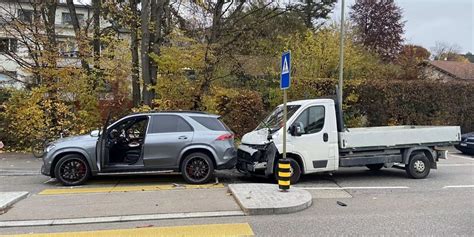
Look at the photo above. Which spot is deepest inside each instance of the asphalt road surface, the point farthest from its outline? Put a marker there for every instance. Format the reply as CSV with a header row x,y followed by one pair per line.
x,y
377,203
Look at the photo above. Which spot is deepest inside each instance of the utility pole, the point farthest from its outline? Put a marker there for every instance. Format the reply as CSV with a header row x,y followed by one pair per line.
x,y
341,56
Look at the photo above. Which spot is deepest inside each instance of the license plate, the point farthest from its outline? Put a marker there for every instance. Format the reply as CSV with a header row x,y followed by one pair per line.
x,y
463,144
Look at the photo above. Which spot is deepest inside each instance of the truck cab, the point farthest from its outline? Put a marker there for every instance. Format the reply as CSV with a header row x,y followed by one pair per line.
x,y
318,142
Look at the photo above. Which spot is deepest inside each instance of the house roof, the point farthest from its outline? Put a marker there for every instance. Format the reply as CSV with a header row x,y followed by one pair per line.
x,y
459,70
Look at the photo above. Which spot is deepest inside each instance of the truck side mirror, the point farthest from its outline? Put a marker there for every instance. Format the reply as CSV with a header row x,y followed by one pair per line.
x,y
297,129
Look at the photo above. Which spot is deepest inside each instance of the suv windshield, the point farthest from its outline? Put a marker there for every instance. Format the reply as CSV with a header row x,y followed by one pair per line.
x,y
275,119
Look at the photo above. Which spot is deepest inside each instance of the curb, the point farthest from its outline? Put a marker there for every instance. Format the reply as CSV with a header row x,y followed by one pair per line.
x,y
109,219
266,199
7,199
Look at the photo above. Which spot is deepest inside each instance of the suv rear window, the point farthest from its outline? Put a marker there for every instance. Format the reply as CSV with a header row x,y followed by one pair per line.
x,y
211,123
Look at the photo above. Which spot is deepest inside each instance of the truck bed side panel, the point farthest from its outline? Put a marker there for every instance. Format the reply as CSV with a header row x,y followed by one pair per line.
x,y
398,136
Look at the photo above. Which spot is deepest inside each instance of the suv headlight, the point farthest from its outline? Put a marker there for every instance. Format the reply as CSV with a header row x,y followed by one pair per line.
x,y
50,147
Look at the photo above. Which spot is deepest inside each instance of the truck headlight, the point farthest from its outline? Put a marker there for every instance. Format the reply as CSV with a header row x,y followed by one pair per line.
x,y
50,147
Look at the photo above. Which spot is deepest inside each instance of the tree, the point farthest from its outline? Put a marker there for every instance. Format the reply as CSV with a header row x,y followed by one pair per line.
x,y
82,40
448,52
223,27
155,27
410,60
379,26
126,14
311,10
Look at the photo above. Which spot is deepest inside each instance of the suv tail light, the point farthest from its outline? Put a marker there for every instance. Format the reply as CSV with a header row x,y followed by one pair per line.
x,y
225,137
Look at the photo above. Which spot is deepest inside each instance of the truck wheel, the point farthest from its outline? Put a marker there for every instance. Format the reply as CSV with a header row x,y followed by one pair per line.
x,y
197,168
295,171
418,167
72,170
375,167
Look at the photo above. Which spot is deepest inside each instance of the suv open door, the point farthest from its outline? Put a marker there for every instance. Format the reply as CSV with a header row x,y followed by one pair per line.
x,y
100,147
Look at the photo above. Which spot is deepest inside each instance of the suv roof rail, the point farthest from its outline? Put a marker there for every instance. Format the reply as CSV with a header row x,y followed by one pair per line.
x,y
171,111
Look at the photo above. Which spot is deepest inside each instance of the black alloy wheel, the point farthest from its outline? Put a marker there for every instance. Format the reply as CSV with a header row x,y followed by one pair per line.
x,y
197,168
72,170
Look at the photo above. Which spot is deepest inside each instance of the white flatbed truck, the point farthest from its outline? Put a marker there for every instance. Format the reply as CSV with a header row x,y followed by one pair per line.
x,y
318,142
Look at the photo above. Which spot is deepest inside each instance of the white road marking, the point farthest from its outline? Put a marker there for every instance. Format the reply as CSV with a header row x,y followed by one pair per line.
x,y
459,186
465,164
462,157
344,188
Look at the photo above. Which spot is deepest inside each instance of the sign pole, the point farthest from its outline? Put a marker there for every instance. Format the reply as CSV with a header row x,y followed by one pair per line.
x,y
284,166
284,123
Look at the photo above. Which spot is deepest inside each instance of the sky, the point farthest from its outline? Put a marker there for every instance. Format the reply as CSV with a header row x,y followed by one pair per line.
x,y
428,21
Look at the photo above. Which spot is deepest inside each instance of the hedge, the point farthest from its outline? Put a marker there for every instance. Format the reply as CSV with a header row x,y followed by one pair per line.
x,y
418,103
397,102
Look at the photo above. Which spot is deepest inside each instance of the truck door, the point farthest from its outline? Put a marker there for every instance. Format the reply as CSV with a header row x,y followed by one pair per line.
x,y
317,143
167,136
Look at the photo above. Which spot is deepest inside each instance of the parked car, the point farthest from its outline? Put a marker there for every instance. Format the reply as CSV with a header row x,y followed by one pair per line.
x,y
193,143
466,145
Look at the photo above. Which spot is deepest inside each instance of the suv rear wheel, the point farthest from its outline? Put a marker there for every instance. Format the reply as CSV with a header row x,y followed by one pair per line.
x,y
197,168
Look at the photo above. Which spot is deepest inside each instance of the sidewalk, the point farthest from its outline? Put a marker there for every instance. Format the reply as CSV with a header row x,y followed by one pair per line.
x,y
19,162
66,206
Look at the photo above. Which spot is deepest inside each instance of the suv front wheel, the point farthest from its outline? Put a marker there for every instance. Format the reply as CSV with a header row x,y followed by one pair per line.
x,y
72,170
197,168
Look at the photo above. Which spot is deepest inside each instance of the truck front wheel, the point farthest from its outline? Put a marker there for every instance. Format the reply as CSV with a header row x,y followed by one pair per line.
x,y
418,167
295,171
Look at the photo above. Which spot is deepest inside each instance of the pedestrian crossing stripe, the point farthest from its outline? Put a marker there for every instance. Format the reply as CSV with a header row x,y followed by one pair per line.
x,y
231,229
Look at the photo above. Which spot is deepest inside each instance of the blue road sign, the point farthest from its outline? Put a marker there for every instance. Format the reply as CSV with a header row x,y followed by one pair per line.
x,y
285,70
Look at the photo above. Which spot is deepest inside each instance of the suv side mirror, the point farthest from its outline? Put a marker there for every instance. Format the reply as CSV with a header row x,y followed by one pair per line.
x,y
95,133
297,129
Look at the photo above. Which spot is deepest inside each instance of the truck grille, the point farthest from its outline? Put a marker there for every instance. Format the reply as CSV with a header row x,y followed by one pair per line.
x,y
257,147
243,155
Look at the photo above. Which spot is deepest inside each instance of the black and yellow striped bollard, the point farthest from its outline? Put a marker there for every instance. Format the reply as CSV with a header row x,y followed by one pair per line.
x,y
284,174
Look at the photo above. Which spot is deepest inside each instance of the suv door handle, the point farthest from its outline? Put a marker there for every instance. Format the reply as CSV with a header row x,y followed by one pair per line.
x,y
182,138
325,137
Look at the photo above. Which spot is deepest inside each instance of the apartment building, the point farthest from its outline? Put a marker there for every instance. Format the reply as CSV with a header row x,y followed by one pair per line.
x,y
11,73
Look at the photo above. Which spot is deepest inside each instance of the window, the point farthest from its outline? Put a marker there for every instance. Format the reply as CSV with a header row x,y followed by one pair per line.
x,y
210,123
169,123
8,45
274,121
312,119
25,15
67,18
68,48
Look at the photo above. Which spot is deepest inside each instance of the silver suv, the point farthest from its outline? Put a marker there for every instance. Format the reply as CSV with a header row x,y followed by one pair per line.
x,y
192,143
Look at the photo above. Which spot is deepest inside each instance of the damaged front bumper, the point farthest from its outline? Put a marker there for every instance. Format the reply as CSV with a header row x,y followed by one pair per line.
x,y
256,159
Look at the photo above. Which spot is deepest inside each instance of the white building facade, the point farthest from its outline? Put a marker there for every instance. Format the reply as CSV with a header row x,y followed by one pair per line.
x,y
11,71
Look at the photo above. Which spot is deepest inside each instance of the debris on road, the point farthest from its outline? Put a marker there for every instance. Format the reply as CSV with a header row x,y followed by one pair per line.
x,y
341,204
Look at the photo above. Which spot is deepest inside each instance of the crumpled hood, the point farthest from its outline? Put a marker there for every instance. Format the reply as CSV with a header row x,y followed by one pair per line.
x,y
256,137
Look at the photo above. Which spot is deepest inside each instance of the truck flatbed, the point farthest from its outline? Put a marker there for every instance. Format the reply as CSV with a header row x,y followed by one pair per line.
x,y
397,136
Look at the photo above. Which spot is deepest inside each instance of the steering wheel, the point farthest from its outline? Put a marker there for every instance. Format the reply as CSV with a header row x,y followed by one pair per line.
x,y
124,138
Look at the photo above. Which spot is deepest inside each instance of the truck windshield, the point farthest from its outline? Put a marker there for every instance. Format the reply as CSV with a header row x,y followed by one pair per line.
x,y
274,121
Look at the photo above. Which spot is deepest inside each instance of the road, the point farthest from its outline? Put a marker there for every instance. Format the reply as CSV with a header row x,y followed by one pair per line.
x,y
377,203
